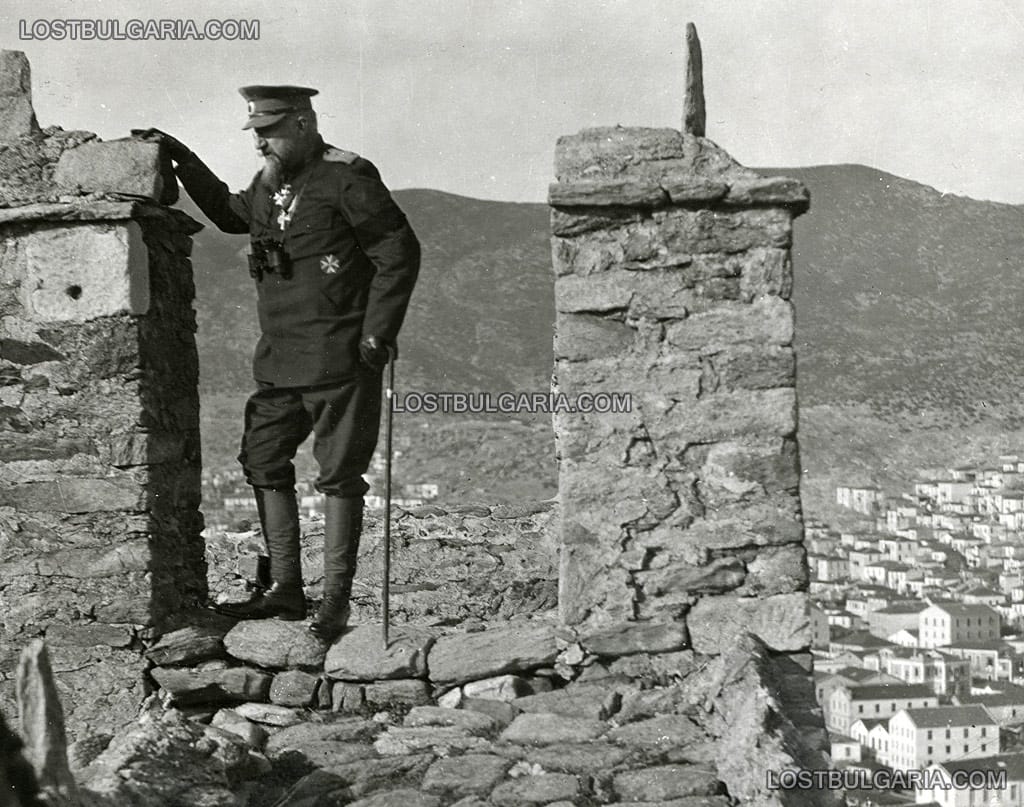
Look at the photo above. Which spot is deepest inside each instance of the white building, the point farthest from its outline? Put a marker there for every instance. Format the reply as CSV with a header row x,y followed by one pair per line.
x,y
921,737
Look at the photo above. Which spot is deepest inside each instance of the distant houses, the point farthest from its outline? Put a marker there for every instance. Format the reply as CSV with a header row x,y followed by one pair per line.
x,y
918,631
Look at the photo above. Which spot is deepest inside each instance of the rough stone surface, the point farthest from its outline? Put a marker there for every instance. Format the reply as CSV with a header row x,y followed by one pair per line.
x,y
766,718
781,621
87,271
230,720
275,644
190,687
359,655
499,688
636,637
130,167
189,645
468,656
546,728
18,118
694,114
269,714
172,761
665,782
576,700
293,688
542,789
471,722
409,692
467,775
686,305
42,722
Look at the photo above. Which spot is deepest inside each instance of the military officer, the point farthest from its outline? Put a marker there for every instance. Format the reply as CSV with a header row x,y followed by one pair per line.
x,y
334,261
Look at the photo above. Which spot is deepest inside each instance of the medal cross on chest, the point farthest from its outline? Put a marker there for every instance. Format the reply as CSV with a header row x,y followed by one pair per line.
x,y
285,200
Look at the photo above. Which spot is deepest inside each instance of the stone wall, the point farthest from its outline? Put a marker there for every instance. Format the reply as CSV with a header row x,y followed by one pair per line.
x,y
673,279
99,416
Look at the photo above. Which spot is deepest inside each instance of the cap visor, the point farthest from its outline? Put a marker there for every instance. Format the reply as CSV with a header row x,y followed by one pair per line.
x,y
263,120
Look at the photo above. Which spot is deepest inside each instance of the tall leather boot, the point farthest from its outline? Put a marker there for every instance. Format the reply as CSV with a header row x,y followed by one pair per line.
x,y
279,518
343,523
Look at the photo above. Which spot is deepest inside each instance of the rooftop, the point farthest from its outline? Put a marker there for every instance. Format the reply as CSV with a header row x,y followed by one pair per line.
x,y
946,716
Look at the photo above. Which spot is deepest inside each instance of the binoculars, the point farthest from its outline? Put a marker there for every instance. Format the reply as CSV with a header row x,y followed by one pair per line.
x,y
269,257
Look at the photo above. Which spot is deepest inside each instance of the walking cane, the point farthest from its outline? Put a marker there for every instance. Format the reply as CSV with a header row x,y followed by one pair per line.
x,y
389,395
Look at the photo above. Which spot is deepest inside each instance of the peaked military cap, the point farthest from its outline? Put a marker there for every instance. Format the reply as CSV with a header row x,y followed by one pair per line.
x,y
267,105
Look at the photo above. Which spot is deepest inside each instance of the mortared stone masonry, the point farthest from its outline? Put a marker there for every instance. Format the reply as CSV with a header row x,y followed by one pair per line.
x,y
100,527
673,282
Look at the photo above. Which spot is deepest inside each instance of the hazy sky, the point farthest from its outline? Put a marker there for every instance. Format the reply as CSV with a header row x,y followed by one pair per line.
x,y
469,96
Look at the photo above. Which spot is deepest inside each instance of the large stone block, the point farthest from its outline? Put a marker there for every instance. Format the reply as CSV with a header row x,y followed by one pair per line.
x,y
130,167
782,622
17,117
75,495
767,321
461,657
581,336
724,416
86,271
637,152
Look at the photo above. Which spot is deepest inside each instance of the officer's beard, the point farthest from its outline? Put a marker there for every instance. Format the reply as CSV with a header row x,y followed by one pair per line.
x,y
272,173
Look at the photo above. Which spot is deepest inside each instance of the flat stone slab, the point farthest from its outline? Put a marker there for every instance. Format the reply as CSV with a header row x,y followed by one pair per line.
x,y
368,775
663,731
268,713
187,645
499,688
467,775
586,759
546,728
399,740
359,654
636,637
543,789
781,621
462,657
293,688
347,730
410,691
471,722
130,167
660,783
406,797
275,644
188,687
84,271
581,700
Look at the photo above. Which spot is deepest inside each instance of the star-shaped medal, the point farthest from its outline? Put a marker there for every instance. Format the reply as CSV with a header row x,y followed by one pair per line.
x,y
329,264
283,197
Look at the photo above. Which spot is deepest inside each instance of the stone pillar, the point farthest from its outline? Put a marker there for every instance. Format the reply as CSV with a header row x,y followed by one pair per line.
x,y
99,417
673,281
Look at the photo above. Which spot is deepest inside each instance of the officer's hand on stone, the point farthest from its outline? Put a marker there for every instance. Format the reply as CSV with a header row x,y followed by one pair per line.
x,y
373,351
177,150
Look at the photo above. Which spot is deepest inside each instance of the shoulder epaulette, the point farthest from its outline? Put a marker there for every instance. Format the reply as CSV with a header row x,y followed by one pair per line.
x,y
333,155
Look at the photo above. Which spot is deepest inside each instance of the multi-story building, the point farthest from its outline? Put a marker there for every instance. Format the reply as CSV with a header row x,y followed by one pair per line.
x,y
945,674
1002,775
873,701
922,737
948,623
899,616
992,660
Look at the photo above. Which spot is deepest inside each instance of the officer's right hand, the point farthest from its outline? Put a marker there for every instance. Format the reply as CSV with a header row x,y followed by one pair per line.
x,y
177,150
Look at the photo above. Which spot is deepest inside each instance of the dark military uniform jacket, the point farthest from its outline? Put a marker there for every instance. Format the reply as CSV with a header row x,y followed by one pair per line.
x,y
354,261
